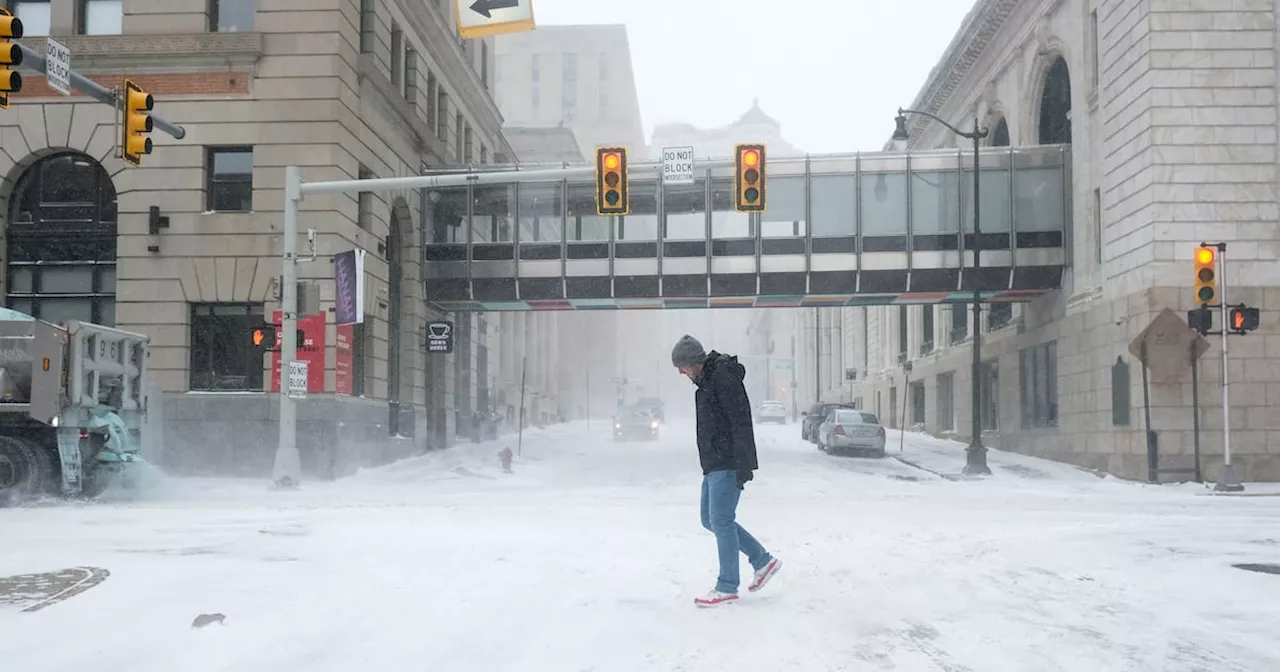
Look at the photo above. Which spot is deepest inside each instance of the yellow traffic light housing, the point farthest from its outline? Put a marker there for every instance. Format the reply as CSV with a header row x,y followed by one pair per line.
x,y
749,178
10,56
611,181
1206,278
137,123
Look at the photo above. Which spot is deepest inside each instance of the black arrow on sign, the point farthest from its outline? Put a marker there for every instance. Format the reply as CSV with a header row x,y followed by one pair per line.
x,y
482,7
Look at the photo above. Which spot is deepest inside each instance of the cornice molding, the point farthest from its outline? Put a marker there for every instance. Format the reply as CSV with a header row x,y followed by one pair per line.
x,y
158,53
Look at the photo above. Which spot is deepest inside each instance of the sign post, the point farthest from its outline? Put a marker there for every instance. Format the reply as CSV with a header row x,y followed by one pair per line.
x,y
1162,348
57,66
677,165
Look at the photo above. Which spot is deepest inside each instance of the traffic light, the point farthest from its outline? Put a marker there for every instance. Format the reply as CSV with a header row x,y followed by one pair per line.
x,y
137,123
1200,319
748,178
1243,320
611,181
1206,275
10,56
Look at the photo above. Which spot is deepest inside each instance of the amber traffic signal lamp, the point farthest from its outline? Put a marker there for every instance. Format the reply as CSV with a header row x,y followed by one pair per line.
x,y
1206,278
611,181
10,56
137,123
749,178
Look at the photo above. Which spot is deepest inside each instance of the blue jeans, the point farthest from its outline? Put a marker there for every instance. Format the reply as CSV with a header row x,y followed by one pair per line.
x,y
720,495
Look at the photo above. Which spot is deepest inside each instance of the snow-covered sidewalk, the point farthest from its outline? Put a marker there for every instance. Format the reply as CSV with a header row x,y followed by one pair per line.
x,y
946,458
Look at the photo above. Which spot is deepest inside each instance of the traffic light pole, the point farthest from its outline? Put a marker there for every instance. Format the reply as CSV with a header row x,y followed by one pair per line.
x,y
34,60
1228,479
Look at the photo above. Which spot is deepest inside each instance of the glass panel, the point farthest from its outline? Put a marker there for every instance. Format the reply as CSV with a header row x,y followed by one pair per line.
x,y
20,305
1039,199
35,16
685,208
448,210
231,197
59,311
996,205
584,224
107,312
642,223
69,179
833,199
935,202
234,15
884,204
66,280
103,17
541,212
20,279
784,212
491,214
237,162
725,221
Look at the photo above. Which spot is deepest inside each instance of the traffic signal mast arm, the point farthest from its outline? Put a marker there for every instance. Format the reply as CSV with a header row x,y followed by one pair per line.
x,y
34,60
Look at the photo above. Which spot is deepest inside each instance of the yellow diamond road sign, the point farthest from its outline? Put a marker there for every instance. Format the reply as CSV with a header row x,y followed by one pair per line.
x,y
482,18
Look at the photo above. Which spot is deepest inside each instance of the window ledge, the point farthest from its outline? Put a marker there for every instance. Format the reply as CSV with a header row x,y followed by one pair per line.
x,y
157,53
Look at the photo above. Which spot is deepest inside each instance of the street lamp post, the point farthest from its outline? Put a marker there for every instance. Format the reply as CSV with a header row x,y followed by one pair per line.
x,y
975,462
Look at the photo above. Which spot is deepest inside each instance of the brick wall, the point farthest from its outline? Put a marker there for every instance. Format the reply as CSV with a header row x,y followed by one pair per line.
x,y
173,84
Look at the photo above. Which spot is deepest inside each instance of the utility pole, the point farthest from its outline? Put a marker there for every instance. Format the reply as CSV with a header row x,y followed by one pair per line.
x,y
287,471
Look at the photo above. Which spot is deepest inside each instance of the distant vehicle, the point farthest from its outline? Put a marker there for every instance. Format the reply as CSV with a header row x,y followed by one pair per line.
x,y
653,405
634,424
850,431
814,417
772,411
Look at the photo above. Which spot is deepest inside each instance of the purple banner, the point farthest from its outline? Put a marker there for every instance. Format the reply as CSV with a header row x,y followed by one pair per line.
x,y
348,270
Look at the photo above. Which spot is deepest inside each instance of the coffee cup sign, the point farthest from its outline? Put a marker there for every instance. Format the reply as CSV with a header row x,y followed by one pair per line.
x,y
440,337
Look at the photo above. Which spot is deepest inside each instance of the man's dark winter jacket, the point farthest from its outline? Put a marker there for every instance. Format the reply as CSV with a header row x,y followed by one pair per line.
x,y
726,439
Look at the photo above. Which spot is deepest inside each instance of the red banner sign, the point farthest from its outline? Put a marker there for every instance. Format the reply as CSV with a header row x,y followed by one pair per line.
x,y
310,350
344,364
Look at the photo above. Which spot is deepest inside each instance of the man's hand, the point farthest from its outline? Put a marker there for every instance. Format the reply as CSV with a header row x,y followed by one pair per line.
x,y
744,476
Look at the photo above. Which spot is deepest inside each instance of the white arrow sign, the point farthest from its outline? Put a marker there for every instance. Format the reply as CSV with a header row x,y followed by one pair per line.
x,y
482,18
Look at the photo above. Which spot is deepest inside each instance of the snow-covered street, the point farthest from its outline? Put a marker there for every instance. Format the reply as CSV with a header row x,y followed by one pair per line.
x,y
588,557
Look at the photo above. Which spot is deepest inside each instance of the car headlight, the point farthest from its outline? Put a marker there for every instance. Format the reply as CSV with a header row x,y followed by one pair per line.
x,y
653,425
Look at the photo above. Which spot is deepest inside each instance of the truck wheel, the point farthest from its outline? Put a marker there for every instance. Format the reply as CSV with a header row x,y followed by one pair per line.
x,y
26,471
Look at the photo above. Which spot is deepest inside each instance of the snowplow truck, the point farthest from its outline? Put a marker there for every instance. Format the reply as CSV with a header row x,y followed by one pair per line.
x,y
72,406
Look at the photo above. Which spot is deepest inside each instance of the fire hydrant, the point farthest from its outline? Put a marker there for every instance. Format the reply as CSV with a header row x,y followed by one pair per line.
x,y
505,456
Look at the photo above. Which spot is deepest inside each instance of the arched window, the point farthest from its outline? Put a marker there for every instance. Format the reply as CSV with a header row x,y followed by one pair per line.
x,y
61,240
1055,105
1000,134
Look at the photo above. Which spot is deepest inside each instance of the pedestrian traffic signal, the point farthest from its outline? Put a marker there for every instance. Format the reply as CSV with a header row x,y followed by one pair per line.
x,y
748,178
1200,319
1206,275
264,337
137,123
1242,320
611,181
10,56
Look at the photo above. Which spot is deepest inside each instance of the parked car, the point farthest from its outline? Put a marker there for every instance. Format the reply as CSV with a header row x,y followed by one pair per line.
x,y
772,411
851,431
634,424
814,417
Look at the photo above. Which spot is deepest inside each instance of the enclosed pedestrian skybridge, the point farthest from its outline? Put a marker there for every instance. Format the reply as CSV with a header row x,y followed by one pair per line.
x,y
866,229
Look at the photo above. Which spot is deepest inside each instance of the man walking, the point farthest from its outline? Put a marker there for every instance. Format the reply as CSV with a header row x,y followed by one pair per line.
x,y
727,450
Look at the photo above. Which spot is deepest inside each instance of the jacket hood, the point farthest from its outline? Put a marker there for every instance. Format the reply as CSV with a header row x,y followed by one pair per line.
x,y
716,360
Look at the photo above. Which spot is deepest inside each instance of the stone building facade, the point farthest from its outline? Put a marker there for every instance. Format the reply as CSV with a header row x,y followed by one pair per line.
x,y
344,89
1170,110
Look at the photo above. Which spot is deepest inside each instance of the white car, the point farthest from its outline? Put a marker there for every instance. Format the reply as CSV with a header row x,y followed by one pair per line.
x,y
772,411
846,430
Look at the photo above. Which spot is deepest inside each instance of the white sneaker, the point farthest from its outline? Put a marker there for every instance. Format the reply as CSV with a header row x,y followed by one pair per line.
x,y
715,598
764,574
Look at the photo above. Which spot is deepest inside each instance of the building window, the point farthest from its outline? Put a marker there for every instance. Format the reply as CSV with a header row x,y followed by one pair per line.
x,y
222,353
101,17
364,201
989,392
229,179
1121,404
926,330
468,147
604,104
397,58
484,65
231,16
411,75
35,15
1094,56
947,401
535,79
457,137
484,154
959,322
999,315
431,99
1038,368
368,15
1055,105
569,87
1097,225
442,115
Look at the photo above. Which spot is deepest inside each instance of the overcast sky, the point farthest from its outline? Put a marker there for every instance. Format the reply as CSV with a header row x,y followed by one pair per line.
x,y
833,72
